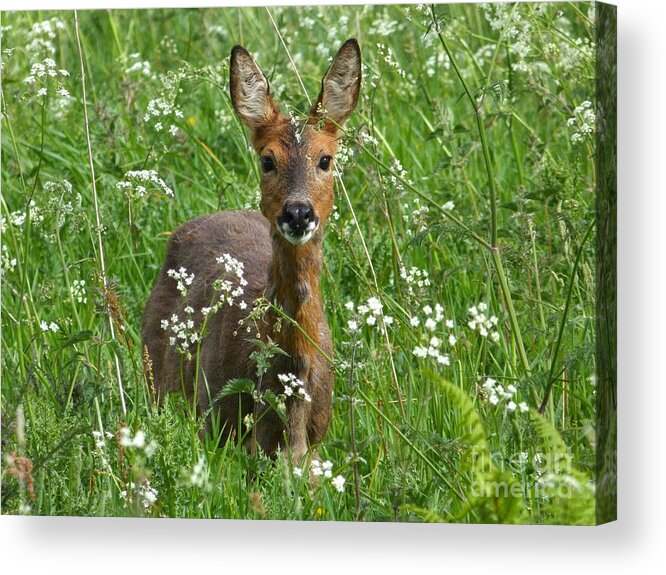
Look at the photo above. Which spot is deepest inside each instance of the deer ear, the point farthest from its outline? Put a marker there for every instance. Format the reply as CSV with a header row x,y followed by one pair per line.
x,y
341,85
250,92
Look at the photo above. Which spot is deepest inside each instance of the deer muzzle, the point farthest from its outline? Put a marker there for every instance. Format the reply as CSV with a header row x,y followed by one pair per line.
x,y
298,222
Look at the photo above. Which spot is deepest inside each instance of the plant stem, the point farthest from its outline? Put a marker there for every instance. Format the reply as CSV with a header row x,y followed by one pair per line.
x,y
492,187
100,245
506,292
352,433
556,351
415,449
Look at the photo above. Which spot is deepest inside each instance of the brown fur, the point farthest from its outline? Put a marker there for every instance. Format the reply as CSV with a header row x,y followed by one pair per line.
x,y
288,275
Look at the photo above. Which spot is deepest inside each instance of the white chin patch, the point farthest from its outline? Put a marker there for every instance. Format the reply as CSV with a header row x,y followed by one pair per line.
x,y
298,240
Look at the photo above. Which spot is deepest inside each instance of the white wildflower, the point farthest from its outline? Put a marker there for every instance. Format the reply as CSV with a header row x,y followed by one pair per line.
x,y
339,483
78,291
183,279
133,183
484,325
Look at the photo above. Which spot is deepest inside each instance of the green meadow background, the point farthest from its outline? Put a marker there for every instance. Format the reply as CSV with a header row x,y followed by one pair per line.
x,y
465,208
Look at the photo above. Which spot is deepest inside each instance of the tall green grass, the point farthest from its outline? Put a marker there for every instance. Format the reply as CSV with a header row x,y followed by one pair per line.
x,y
469,158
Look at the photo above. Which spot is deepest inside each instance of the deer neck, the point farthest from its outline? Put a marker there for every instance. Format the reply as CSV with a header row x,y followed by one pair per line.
x,y
293,286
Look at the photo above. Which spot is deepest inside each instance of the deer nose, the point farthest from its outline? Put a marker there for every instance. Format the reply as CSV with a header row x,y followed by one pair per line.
x,y
298,218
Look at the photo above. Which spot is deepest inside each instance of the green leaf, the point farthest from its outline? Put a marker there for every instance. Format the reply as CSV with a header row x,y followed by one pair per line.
x,y
235,386
84,335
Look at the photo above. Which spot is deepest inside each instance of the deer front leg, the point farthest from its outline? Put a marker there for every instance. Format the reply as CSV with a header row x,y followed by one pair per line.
x,y
298,414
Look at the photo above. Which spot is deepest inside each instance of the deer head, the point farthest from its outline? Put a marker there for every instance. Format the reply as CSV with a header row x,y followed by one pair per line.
x,y
296,157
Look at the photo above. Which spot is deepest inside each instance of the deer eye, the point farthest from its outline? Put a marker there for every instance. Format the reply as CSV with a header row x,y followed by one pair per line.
x,y
267,164
325,162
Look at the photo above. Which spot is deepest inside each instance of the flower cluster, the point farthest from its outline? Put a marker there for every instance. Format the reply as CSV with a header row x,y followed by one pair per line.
x,y
294,386
62,201
62,206
431,318
582,121
335,31
386,53
368,139
421,14
370,313
183,332
58,186
138,67
248,420
8,262
494,393
572,56
398,172
323,469
307,22
344,155
448,206
415,216
46,76
232,265
161,112
435,63
135,183
78,291
503,17
99,452
145,493
18,218
434,338
136,445
486,326
432,350
414,277
126,440
199,475
53,327
229,292
42,70
183,279
98,436
339,483
40,37
384,26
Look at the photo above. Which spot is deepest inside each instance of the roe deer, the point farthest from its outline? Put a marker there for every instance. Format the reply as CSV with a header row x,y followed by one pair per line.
x,y
281,251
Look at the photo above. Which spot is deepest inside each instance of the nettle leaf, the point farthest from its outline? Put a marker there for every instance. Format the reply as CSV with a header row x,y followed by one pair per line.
x,y
235,386
436,133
